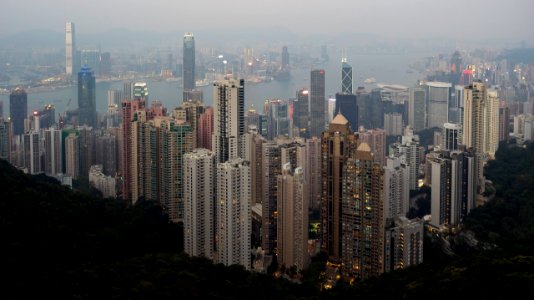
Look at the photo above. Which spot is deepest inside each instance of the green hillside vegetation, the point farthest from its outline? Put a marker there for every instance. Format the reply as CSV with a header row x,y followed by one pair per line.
x,y
65,244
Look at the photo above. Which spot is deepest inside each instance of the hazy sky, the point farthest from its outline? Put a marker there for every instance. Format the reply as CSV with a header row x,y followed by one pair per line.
x,y
462,19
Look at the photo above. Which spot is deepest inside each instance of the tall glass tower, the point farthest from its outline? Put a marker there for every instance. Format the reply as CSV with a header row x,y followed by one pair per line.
x,y
346,77
188,67
86,97
70,49
317,102
18,109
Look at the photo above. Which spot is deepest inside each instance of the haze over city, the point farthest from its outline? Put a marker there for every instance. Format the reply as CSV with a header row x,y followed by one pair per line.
x,y
407,19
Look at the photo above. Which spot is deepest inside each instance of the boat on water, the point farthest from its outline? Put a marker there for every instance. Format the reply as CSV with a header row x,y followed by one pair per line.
x,y
370,80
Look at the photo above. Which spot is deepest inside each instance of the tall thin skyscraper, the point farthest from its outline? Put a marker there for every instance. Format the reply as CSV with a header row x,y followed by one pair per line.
x,y
205,129
292,220
347,105
438,103
71,60
336,144
234,223
188,65
72,154
362,216
317,102
346,77
475,101
199,203
229,118
504,121
32,152
417,109
6,139
18,109
301,113
87,97
53,146
285,58
396,188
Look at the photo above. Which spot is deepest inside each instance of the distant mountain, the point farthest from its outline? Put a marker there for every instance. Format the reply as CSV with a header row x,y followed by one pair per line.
x,y
38,38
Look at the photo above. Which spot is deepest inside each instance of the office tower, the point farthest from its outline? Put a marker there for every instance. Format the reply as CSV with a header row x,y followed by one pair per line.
x,y
91,58
324,53
18,109
491,124
504,121
233,213
48,116
252,119
410,150
317,102
454,186
403,243
105,63
456,68
362,216
114,97
467,75
285,58
6,139
188,62
193,95
417,109
348,106
301,113
106,154
279,121
32,152
105,184
292,208
53,151
114,100
1,109
229,118
199,203
452,135
256,166
128,115
205,129
86,98
396,188
438,101
336,144
393,124
346,78
72,156
140,91
376,139
71,64
127,91
330,109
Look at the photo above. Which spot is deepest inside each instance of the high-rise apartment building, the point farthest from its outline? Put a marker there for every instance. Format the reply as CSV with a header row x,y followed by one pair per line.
x,y
279,122
6,140
336,144
362,216
317,102
292,209
410,152
188,65
376,139
393,124
53,152
72,156
233,213
205,129
396,188
504,121
86,97
313,170
229,118
129,109
301,113
452,136
403,243
199,203
18,109
32,152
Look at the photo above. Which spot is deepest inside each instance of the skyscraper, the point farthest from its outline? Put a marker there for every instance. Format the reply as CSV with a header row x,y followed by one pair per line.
x,y
18,109
347,105
234,223
91,58
188,62
376,139
438,102
411,154
129,109
6,139
452,136
285,58
292,220
205,129
404,243
317,102
199,203
53,152
346,78
229,118
301,113
86,97
393,123
71,60
72,154
504,121
313,170
417,109
336,144
396,188
362,216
